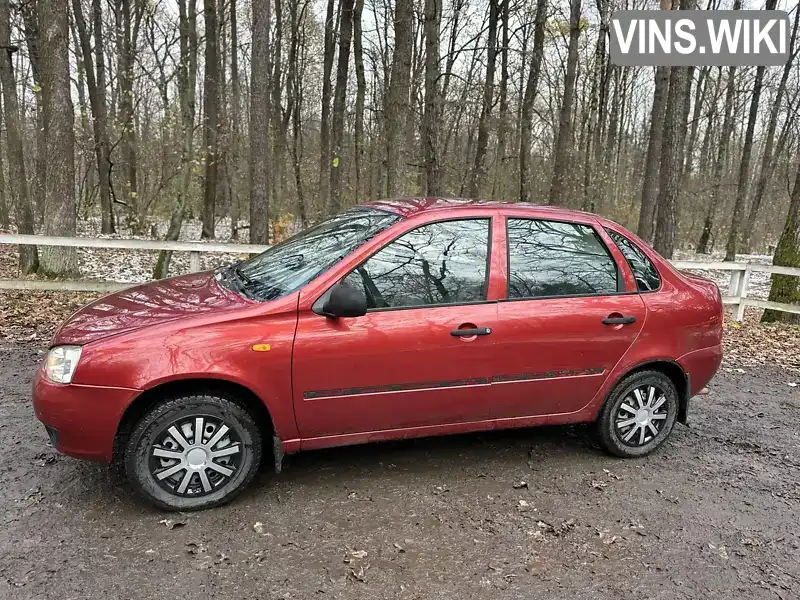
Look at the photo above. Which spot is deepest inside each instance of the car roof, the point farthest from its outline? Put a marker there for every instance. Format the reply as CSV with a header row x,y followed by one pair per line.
x,y
412,206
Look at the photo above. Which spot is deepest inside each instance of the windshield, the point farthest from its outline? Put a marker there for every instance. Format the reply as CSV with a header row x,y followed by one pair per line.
x,y
288,266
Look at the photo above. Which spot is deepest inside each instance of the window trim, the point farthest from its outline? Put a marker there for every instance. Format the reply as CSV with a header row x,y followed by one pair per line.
x,y
621,286
612,232
317,305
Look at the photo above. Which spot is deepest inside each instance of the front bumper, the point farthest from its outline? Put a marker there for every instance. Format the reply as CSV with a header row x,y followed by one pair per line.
x,y
81,420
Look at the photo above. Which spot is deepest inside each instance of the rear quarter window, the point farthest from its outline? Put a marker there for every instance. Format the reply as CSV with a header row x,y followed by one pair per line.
x,y
647,277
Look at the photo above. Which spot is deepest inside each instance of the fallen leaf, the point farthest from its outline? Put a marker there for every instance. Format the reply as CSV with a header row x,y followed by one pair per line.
x,y
172,524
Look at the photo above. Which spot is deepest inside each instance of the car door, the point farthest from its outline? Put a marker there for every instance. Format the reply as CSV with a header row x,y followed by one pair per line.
x,y
568,318
421,356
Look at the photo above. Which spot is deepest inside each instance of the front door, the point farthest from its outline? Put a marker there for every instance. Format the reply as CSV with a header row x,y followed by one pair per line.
x,y
566,323
422,354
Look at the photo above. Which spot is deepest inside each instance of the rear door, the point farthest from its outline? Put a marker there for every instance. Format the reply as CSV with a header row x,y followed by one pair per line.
x,y
568,318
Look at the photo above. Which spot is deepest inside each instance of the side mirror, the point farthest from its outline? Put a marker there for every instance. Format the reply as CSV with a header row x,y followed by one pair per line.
x,y
345,300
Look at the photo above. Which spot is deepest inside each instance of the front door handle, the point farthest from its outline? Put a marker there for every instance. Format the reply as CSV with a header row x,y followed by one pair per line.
x,y
619,320
471,332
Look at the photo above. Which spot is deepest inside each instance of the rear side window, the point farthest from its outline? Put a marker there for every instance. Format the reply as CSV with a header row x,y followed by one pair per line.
x,y
439,263
550,258
645,272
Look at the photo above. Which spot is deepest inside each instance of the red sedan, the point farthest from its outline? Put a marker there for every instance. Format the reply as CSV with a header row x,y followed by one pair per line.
x,y
395,319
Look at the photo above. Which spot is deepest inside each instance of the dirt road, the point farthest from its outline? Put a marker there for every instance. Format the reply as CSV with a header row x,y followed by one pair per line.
x,y
716,513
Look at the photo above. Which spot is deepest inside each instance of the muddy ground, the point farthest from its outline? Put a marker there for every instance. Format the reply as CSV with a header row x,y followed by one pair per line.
x,y
714,514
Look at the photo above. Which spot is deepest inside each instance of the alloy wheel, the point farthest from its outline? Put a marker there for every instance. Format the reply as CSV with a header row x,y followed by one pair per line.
x,y
195,455
641,415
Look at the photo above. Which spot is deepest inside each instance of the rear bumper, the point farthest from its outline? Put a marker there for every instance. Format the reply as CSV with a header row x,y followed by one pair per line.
x,y
81,420
701,366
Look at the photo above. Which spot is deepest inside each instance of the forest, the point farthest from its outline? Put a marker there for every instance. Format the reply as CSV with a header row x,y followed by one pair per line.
x,y
264,116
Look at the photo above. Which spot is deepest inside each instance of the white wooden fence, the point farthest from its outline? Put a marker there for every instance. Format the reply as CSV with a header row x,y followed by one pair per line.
x,y
737,293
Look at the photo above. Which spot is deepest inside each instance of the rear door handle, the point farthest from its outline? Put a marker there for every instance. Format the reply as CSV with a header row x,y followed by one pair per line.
x,y
471,332
619,320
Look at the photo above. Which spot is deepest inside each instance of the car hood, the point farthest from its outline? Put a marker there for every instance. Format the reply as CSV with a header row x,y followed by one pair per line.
x,y
147,305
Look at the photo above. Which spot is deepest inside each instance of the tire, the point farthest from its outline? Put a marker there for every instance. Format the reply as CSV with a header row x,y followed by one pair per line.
x,y
218,468
619,428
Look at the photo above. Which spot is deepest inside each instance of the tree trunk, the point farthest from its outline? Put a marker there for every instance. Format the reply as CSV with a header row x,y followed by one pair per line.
x,y
23,213
277,113
671,163
430,118
323,190
340,96
236,127
502,126
704,244
361,92
531,87
95,81
786,288
397,101
210,117
653,160
31,25
59,131
767,164
734,233
259,124
699,100
478,173
561,165
187,82
599,83
128,35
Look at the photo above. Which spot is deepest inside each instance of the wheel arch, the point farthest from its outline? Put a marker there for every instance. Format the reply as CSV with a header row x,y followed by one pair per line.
x,y
671,369
234,391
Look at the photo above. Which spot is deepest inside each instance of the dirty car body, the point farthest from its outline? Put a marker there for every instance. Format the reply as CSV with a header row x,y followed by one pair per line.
x,y
396,319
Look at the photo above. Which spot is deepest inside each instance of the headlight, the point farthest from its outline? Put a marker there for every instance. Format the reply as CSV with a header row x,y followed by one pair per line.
x,y
61,363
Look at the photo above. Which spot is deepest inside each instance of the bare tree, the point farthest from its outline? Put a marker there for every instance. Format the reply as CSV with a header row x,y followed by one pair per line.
x,y
210,117
23,213
30,20
96,82
323,190
340,96
430,118
397,100
58,116
671,163
558,192
478,172
653,159
259,124
361,92
128,23
531,86
767,162
187,81
703,245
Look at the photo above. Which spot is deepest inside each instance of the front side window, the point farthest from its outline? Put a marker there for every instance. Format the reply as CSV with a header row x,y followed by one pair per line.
x,y
645,272
438,263
288,266
550,258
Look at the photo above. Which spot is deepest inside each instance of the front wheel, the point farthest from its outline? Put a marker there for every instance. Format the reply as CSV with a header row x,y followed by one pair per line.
x,y
638,415
193,452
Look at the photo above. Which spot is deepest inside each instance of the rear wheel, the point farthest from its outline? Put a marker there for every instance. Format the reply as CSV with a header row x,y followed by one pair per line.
x,y
639,414
193,452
